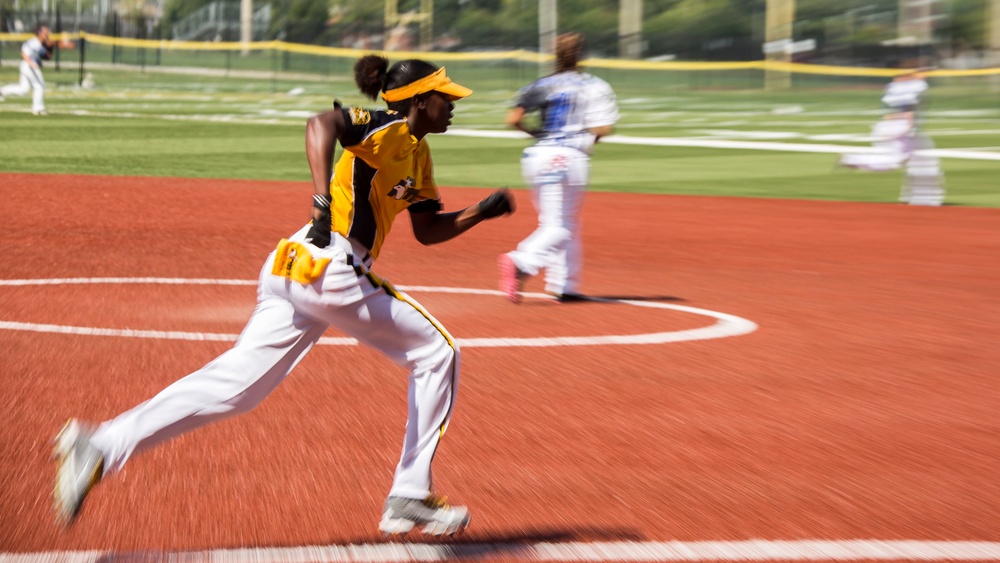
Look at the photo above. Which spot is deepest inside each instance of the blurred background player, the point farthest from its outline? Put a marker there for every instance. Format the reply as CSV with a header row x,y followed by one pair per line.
x,y
901,142
322,276
33,52
575,110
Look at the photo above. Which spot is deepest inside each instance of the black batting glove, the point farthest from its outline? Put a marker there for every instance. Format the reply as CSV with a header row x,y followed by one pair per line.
x,y
500,202
319,233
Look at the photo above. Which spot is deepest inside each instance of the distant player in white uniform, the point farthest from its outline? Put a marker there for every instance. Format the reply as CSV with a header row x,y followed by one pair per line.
x,y
33,52
321,276
901,142
576,110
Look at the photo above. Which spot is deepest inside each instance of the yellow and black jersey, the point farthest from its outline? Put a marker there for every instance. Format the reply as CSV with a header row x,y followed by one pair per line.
x,y
384,169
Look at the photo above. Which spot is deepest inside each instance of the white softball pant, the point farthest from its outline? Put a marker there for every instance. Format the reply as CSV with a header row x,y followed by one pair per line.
x,y
288,320
893,139
923,183
558,178
31,79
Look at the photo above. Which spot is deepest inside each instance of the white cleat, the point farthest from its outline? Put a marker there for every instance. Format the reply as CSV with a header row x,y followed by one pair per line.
x,y
433,513
79,467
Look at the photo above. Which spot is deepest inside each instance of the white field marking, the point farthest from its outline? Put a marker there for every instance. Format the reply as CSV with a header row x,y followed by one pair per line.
x,y
963,154
715,134
207,118
619,139
726,325
855,137
726,144
788,147
752,135
960,132
748,550
160,281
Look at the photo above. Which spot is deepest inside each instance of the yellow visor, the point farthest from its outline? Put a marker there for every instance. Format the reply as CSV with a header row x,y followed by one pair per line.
x,y
437,82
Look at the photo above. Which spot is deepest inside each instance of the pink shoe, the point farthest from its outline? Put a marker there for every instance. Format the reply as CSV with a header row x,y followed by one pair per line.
x,y
510,278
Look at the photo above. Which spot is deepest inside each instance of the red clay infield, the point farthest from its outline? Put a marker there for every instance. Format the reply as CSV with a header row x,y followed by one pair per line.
x,y
866,405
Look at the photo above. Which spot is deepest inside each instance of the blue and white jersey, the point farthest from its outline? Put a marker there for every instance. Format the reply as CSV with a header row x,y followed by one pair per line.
x,y
571,103
34,50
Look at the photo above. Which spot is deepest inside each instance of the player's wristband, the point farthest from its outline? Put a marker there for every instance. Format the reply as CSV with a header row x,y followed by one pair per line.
x,y
321,201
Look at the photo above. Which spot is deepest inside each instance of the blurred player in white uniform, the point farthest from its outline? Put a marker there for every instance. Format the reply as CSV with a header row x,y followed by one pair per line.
x,y
33,52
575,111
901,142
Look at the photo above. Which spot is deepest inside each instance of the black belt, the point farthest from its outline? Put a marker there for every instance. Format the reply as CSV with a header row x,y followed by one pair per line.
x,y
357,267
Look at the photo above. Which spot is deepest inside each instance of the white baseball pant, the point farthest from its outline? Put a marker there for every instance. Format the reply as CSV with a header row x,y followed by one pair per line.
x,y
558,178
923,183
893,139
31,79
288,320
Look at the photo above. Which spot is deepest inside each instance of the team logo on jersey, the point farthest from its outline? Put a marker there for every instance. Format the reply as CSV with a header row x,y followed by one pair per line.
x,y
359,116
405,190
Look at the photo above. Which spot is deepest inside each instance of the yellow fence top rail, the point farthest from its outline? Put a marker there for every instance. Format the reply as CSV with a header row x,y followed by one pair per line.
x,y
518,55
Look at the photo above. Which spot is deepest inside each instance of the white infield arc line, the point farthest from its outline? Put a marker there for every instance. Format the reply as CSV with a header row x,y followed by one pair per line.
x,y
726,325
748,550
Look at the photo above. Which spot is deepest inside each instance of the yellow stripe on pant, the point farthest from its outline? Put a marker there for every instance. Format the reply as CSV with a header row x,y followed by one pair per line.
x,y
379,282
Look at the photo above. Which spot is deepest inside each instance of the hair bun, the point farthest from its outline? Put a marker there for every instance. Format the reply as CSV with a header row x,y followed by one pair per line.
x,y
370,74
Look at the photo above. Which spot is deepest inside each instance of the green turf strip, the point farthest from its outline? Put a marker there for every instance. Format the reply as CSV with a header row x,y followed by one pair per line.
x,y
136,123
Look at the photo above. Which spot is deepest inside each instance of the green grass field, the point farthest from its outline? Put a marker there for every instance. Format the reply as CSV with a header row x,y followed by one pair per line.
x,y
155,123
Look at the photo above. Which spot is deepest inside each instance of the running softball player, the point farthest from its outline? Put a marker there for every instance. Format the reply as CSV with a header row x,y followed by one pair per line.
x,y
33,52
902,142
322,276
576,110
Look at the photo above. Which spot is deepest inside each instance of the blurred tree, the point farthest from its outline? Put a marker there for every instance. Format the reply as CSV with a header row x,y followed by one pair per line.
x,y
176,10
848,21
689,28
966,26
514,23
596,19
306,20
503,24
352,19
695,29
491,5
445,14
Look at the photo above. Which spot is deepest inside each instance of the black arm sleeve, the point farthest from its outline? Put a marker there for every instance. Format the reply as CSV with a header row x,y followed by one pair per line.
x,y
426,206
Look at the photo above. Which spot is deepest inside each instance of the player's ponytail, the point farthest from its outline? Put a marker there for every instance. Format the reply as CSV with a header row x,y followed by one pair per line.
x,y
370,74
373,76
569,51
